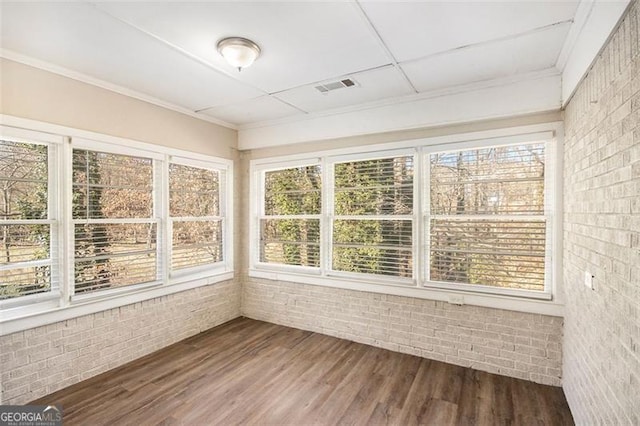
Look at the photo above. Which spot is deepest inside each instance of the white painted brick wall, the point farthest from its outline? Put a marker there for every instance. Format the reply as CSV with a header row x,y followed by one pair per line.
x,y
42,360
602,235
515,344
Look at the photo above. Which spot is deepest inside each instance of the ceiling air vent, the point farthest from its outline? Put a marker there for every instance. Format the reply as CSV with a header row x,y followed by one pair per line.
x,y
335,85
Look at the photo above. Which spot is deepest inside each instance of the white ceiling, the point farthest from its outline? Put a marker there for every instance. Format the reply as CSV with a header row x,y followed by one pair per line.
x,y
393,50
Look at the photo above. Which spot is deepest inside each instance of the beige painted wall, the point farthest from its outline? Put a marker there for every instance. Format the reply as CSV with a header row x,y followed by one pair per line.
x,y
36,94
44,359
31,93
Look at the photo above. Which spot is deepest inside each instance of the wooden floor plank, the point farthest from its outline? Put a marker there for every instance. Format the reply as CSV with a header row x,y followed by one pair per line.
x,y
250,372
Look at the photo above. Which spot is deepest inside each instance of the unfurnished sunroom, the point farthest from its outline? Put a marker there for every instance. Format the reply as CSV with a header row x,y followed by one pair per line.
x,y
320,212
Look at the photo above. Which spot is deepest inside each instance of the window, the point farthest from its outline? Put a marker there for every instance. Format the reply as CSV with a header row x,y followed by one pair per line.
x,y
93,222
290,223
27,228
468,216
196,222
486,222
114,229
372,221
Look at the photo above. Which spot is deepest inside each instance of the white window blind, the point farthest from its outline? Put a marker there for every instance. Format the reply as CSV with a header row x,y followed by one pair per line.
x,y
114,229
372,227
195,216
290,223
486,223
27,232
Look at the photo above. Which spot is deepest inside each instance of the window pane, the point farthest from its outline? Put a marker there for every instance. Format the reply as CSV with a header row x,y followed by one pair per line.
x,y
193,191
373,246
290,241
23,181
24,196
381,187
293,191
508,180
25,281
114,255
196,243
111,185
22,243
499,253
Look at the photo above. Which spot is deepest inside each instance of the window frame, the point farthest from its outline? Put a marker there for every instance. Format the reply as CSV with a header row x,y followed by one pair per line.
x,y
331,215
26,312
259,203
225,188
550,301
53,144
549,165
156,216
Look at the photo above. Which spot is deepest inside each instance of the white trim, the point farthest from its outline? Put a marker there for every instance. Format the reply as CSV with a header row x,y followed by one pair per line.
x,y
579,20
556,154
67,228
119,149
84,78
24,264
504,136
113,292
490,301
549,133
411,98
60,303
535,95
27,321
226,210
29,136
52,143
197,272
595,24
258,172
21,124
364,154
200,163
496,291
195,218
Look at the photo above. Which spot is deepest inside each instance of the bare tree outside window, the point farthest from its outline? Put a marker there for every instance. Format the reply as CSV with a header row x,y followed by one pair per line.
x,y
25,265
112,196
194,208
487,222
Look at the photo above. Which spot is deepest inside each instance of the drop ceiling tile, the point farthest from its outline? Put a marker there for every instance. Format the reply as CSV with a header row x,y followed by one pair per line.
x,y
253,110
415,29
381,83
301,42
532,52
80,37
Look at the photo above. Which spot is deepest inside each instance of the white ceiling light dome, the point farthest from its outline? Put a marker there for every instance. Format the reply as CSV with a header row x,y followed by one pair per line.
x,y
239,52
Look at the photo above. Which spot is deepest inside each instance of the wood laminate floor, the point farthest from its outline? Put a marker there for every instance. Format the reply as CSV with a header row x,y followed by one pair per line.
x,y
253,372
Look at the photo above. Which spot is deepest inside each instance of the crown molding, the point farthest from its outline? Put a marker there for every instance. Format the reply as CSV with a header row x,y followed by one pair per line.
x,y
75,75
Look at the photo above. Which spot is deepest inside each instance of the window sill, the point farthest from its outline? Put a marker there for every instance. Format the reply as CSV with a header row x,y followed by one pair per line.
x,y
453,296
18,319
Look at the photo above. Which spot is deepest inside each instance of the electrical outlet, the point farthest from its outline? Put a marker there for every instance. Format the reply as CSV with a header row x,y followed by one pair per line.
x,y
588,280
456,299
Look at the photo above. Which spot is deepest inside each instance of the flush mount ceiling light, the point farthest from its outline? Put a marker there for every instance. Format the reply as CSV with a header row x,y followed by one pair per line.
x,y
239,52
